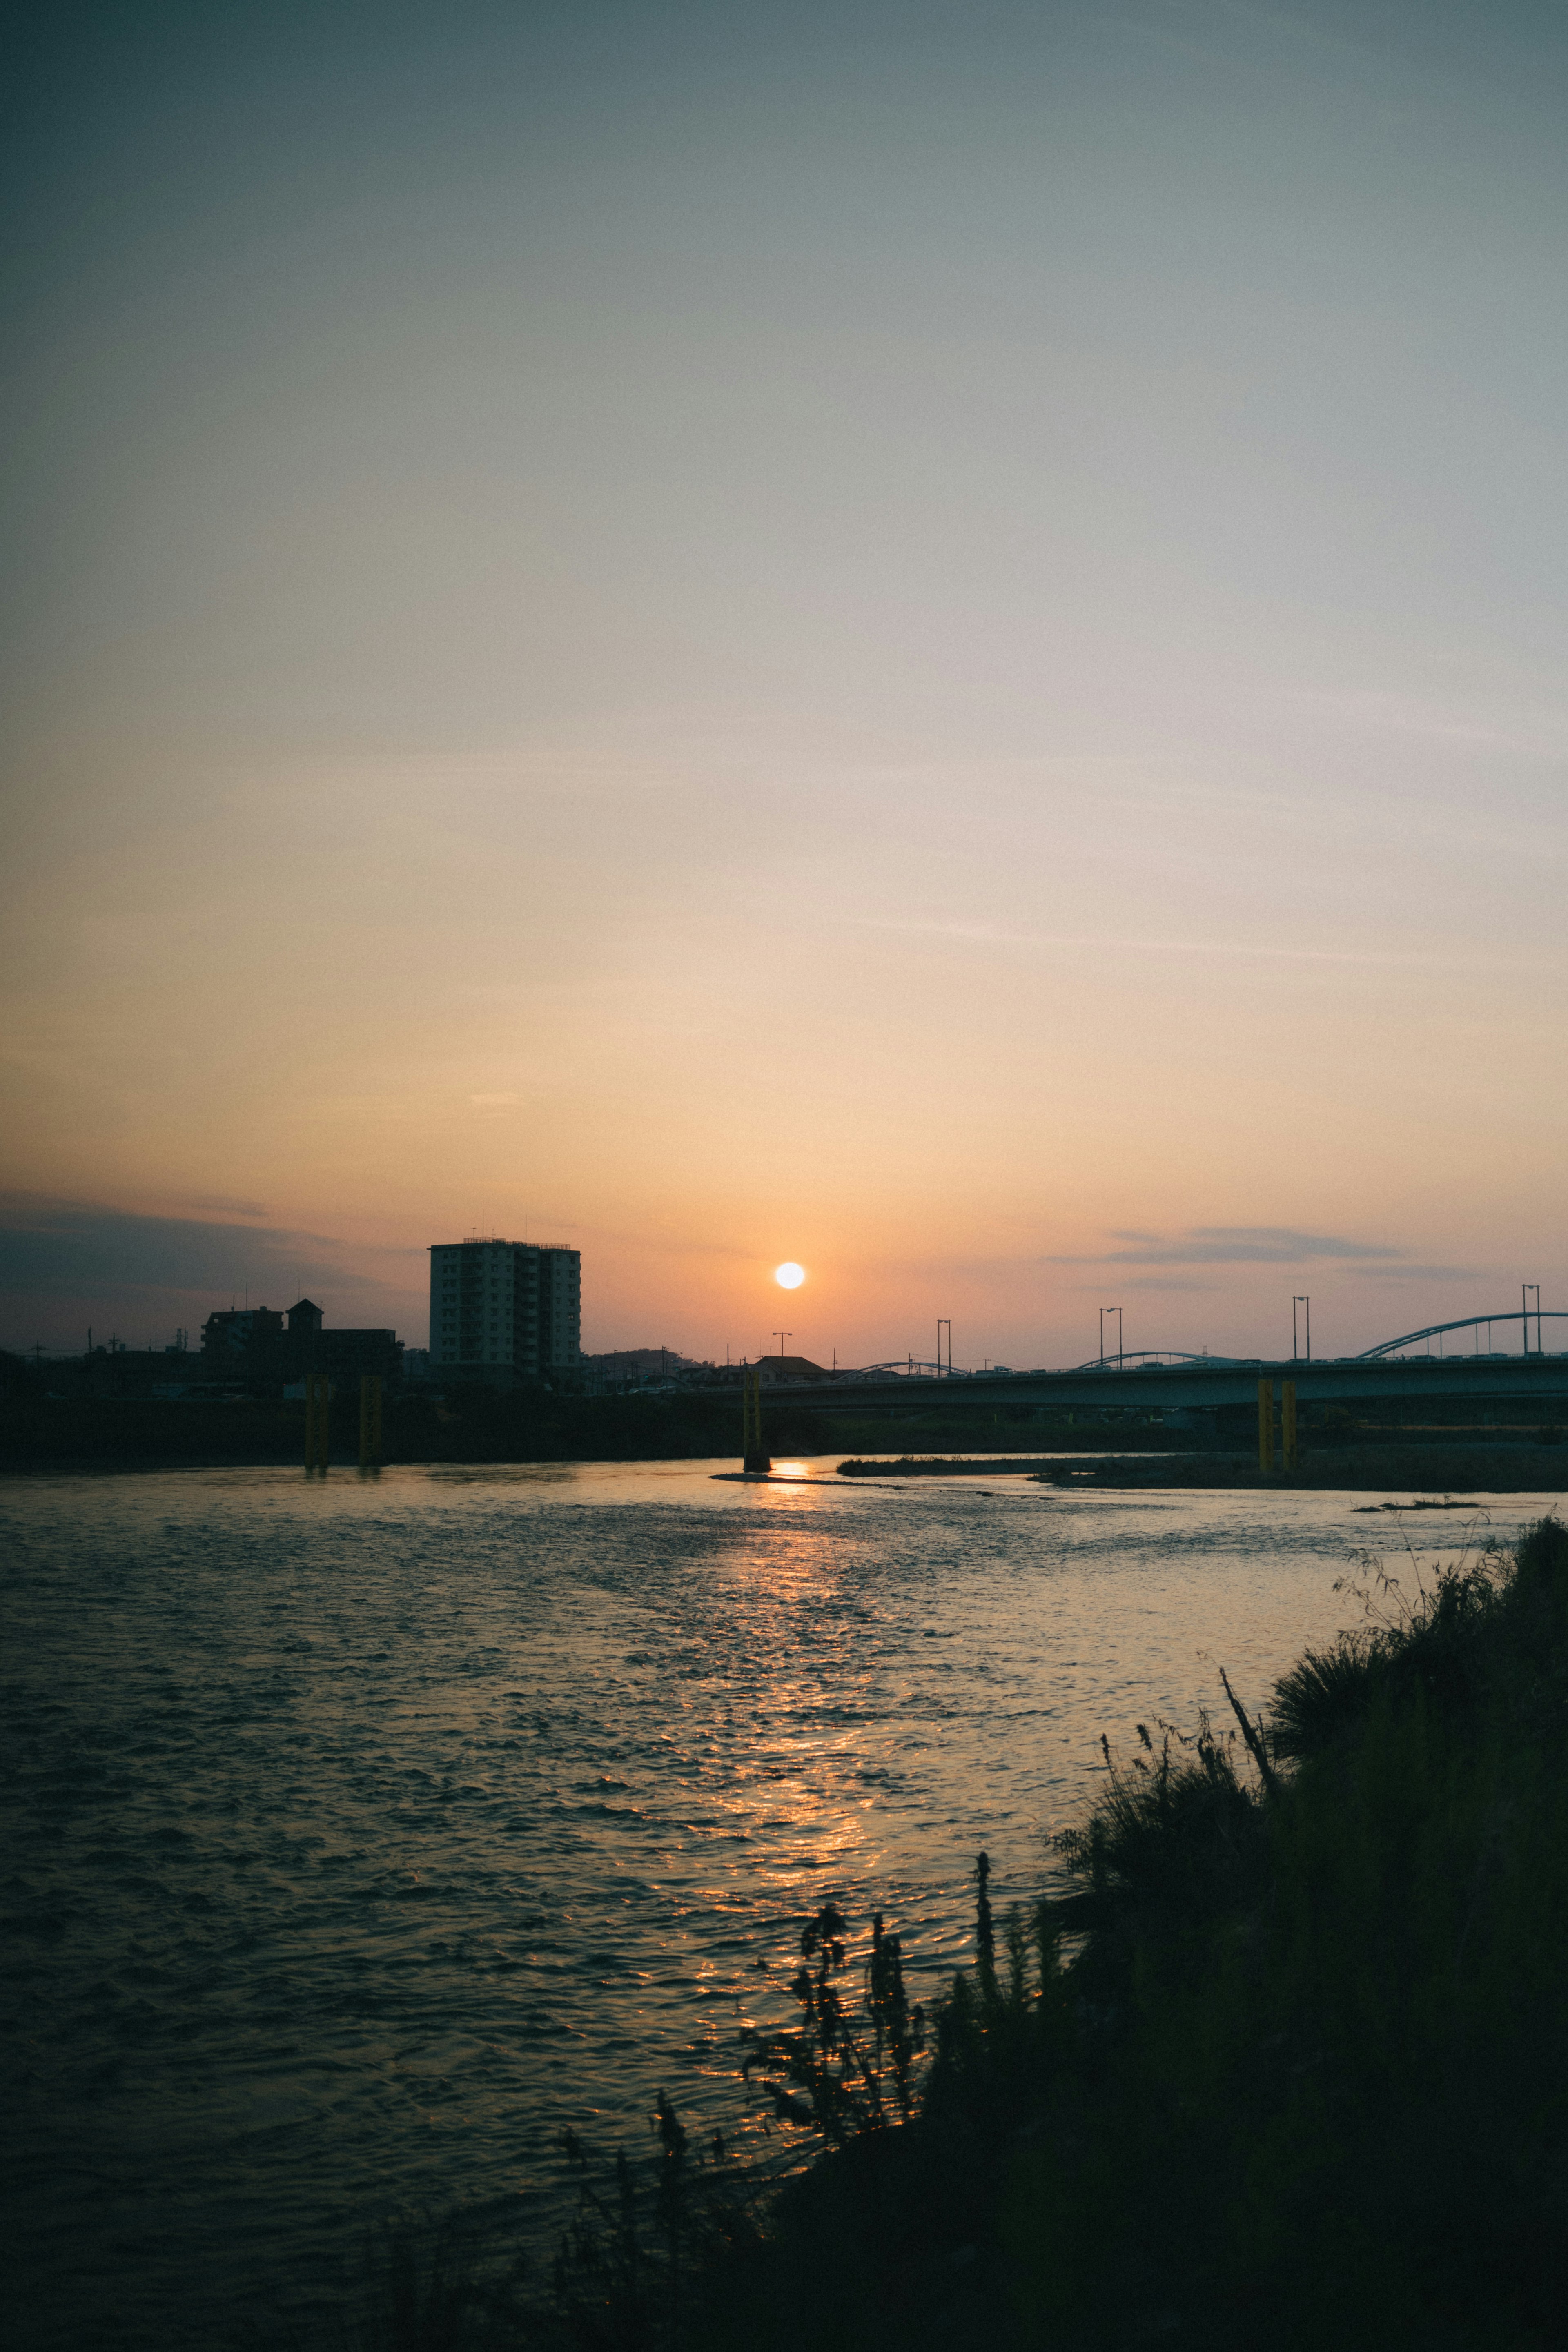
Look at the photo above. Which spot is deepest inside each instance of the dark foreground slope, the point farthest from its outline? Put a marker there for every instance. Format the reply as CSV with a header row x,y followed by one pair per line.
x,y
1289,2066
1305,2081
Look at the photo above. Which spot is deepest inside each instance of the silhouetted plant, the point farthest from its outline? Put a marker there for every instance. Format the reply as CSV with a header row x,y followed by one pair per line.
x,y
1424,1640
985,1929
846,2068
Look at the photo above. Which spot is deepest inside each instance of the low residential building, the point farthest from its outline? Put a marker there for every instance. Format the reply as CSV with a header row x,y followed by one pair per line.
x,y
245,1342
266,1349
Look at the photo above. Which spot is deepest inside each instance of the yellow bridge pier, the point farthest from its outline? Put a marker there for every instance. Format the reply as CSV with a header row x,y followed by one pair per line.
x,y
754,1457
1288,1450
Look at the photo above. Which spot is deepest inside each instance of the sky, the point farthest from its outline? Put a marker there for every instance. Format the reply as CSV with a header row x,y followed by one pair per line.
x,y
921,638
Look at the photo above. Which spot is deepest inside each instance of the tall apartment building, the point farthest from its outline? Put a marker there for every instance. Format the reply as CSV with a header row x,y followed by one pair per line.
x,y
504,1310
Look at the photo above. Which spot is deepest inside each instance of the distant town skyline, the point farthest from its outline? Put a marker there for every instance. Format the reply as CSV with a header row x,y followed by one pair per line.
x,y
922,643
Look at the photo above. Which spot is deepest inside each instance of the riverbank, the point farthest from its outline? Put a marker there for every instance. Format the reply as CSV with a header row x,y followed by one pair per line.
x,y
1367,1468
1299,2080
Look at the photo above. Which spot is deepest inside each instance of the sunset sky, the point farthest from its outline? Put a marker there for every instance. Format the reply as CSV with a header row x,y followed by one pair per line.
x,y
922,638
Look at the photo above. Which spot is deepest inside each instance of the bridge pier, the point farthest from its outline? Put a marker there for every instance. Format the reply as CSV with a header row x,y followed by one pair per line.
x,y
754,1457
1265,1448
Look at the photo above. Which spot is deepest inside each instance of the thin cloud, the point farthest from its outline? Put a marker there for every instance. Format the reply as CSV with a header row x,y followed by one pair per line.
x,y
1148,1282
218,1204
1223,950
1429,1274
1237,1245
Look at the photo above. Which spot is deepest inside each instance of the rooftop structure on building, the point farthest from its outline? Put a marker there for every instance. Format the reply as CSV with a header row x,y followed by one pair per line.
x,y
638,1363
503,1311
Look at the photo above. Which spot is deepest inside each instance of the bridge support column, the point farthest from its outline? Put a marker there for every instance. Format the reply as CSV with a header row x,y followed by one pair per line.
x,y
753,1456
1287,1424
317,1420
1266,1427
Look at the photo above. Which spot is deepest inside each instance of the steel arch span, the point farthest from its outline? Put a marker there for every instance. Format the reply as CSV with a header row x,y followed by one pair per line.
x,y
1133,1356
1468,1323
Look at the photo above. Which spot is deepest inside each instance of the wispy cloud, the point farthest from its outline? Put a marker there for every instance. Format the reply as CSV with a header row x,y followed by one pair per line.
x,y
980,934
219,1205
1428,1272
1233,1245
1395,714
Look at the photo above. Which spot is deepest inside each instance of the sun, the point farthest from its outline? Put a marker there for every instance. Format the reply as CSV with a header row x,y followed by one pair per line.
x,y
789,1277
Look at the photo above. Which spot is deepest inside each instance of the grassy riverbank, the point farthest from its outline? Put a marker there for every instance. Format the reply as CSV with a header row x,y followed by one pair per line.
x,y
1286,2064
1456,1467
1517,1468
1305,2077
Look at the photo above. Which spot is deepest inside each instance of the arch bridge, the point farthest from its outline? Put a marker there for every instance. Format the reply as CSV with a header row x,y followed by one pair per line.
x,y
1169,1379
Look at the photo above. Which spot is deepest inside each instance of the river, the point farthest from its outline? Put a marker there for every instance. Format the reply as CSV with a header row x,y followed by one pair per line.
x,y
363,1832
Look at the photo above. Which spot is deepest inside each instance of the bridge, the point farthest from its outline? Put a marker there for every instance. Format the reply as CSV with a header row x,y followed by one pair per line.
x,y
1169,1379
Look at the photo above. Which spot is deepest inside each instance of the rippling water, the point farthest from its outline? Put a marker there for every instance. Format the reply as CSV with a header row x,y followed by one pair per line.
x,y
362,1833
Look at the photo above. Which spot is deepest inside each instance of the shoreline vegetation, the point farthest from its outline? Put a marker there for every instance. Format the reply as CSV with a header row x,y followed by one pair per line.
x,y
1286,2062
1521,1467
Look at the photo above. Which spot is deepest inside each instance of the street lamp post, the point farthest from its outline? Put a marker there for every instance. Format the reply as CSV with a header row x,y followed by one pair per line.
x,y
1300,1299
781,1336
943,1323
1103,1313
1524,1290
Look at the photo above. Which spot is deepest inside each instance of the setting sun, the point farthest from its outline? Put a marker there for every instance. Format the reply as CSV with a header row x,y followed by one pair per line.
x,y
789,1277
